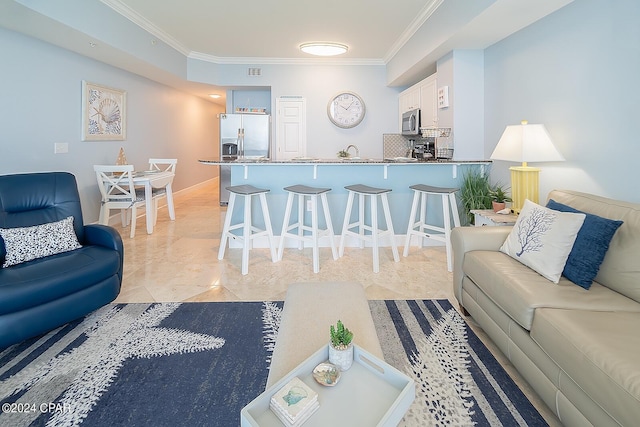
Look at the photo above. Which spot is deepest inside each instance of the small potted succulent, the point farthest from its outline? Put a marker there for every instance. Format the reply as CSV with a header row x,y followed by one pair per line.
x,y
499,198
343,154
341,346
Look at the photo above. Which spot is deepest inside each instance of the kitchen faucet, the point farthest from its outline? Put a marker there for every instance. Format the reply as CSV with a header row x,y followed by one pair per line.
x,y
357,151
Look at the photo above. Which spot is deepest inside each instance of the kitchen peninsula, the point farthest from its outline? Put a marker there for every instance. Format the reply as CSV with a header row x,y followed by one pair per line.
x,y
396,174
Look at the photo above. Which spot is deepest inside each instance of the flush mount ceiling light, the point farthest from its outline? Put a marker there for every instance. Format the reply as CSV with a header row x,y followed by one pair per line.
x,y
214,96
324,48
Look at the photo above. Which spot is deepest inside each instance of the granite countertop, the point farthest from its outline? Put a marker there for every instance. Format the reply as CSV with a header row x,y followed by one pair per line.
x,y
349,161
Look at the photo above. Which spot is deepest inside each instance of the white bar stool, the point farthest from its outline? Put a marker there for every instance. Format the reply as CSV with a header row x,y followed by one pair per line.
x,y
249,232
421,191
365,191
302,192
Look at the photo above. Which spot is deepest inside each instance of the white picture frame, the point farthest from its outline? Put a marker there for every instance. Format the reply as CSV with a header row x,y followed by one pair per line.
x,y
103,113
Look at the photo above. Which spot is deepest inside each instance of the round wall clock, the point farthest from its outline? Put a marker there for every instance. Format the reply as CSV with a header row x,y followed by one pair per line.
x,y
346,110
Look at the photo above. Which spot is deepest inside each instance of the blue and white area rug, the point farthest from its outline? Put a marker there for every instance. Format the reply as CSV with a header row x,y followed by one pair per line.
x,y
198,364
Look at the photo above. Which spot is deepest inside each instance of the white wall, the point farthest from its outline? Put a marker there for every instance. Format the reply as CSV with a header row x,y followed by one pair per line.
x,y
318,84
576,71
41,105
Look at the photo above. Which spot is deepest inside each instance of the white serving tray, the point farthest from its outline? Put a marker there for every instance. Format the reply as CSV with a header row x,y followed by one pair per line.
x,y
370,393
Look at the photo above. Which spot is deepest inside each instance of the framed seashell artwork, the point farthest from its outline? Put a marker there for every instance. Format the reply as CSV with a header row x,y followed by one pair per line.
x,y
103,113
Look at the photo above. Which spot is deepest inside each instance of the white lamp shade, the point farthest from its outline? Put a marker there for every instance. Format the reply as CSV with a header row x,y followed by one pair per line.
x,y
526,143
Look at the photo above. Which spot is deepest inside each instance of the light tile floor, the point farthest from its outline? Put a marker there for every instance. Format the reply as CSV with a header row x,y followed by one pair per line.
x,y
178,262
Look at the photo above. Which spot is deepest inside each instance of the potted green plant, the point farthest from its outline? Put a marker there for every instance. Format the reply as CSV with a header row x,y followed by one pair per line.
x,y
499,198
343,154
475,192
341,346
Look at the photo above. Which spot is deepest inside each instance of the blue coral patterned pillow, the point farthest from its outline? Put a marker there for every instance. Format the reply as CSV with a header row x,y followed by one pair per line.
x,y
27,243
542,238
590,247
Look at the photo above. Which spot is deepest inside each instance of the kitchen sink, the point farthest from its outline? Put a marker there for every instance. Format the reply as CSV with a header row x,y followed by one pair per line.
x,y
401,159
357,160
251,159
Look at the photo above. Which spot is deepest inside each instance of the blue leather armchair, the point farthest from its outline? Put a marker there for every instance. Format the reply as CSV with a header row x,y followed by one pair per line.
x,y
40,295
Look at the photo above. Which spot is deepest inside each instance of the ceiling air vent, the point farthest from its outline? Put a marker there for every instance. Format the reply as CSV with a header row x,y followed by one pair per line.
x,y
255,72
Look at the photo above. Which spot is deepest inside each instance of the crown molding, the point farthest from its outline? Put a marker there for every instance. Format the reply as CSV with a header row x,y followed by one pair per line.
x,y
282,61
415,25
146,25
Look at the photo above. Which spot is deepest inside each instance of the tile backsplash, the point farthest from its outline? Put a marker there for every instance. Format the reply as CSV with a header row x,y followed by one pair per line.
x,y
396,145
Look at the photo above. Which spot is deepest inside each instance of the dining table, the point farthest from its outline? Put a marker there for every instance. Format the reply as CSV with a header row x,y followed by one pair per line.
x,y
151,180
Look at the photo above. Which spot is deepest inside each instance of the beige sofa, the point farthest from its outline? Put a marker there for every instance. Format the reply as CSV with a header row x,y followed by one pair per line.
x,y
579,349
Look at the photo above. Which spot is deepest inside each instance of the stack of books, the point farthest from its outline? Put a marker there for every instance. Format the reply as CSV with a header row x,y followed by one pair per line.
x,y
294,403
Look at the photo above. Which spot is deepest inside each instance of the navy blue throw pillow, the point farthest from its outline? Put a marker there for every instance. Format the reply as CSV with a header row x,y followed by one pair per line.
x,y
3,251
590,246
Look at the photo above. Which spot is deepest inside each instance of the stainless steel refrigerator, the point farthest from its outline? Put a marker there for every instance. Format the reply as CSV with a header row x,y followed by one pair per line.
x,y
241,135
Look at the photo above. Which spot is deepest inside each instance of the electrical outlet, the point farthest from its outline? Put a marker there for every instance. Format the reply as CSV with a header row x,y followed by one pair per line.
x,y
308,205
60,148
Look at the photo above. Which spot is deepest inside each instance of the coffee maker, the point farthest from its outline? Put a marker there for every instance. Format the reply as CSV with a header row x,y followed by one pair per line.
x,y
422,149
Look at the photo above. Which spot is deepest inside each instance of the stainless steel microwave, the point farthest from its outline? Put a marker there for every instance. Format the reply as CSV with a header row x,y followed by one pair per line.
x,y
411,122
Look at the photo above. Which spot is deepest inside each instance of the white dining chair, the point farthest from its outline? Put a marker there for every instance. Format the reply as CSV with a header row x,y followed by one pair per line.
x,y
164,165
118,192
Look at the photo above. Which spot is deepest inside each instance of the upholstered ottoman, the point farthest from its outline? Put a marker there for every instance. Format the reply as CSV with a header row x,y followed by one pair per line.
x,y
309,310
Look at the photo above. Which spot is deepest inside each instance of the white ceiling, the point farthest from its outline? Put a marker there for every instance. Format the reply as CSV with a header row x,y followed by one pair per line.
x,y
373,29
270,31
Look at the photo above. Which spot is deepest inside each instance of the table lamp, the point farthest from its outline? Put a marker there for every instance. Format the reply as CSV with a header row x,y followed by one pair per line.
x,y
525,143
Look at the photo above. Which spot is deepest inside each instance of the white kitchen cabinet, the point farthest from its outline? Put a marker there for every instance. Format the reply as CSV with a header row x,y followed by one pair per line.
x,y
422,95
429,101
409,99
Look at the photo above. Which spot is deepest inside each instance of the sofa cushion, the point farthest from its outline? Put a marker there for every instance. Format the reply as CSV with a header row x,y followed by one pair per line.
x,y
42,280
519,291
620,269
590,247
599,351
23,244
542,239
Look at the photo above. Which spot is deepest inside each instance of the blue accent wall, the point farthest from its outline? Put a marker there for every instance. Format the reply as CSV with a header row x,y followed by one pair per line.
x,y
575,71
41,100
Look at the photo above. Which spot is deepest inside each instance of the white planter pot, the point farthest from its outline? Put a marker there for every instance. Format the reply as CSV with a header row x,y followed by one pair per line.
x,y
343,359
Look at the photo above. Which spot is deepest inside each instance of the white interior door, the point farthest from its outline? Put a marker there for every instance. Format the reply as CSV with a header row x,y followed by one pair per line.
x,y
291,134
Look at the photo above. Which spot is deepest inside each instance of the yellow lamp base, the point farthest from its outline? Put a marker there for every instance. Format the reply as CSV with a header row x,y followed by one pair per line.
x,y
524,185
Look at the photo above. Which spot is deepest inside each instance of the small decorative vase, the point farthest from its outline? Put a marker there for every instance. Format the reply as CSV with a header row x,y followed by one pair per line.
x,y
497,206
343,359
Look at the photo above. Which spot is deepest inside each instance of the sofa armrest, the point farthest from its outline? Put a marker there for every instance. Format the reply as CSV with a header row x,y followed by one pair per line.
x,y
466,239
104,235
